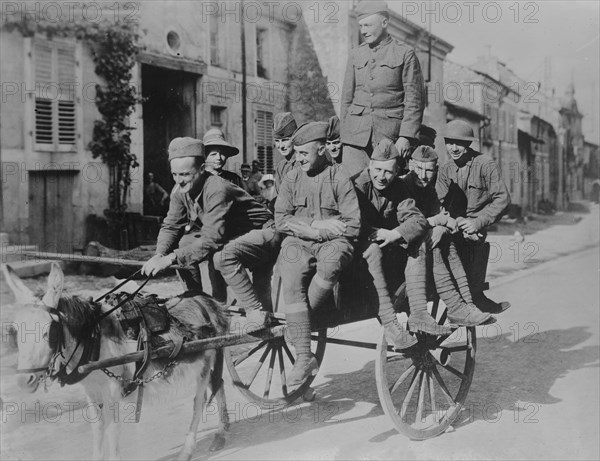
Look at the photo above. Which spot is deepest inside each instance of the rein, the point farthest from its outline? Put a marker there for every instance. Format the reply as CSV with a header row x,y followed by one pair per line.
x,y
74,377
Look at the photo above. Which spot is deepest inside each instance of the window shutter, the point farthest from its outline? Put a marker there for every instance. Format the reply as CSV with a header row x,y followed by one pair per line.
x,y
264,139
55,85
66,102
43,95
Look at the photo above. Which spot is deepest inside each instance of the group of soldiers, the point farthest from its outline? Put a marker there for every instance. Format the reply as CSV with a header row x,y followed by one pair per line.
x,y
341,194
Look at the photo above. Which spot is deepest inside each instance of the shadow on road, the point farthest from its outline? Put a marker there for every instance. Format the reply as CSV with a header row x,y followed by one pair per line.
x,y
515,377
511,378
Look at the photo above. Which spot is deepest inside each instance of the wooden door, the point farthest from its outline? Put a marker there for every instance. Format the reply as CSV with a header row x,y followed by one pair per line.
x,y
51,211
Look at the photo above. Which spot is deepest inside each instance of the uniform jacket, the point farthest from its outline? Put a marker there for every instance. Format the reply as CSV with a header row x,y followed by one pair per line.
x,y
326,195
281,171
383,93
425,198
232,178
250,186
214,209
487,197
392,208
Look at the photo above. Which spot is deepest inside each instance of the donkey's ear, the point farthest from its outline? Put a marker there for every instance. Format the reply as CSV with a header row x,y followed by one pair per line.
x,y
23,294
55,286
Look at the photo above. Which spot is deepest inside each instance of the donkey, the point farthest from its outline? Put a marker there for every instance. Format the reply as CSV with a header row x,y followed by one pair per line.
x,y
72,334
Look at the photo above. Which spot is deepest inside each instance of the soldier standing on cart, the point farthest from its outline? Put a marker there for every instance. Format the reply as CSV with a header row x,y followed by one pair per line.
x,y
383,92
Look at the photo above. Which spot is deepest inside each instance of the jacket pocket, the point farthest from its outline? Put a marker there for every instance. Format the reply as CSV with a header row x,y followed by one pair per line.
x,y
396,112
356,110
300,201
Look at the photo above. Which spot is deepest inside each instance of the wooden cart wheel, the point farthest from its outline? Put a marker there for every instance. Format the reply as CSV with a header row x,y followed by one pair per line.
x,y
424,393
259,369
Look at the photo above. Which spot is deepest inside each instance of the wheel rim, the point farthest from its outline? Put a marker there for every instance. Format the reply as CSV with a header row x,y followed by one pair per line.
x,y
259,369
420,395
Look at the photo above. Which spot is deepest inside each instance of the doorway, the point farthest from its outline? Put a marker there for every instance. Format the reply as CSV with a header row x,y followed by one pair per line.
x,y
169,110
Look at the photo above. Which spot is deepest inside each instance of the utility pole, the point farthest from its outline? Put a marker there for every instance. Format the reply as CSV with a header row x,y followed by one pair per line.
x,y
244,105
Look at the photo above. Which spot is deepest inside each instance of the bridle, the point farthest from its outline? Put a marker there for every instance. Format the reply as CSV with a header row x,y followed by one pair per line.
x,y
56,340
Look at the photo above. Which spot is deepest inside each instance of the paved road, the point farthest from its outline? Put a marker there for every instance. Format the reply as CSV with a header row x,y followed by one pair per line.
x,y
534,396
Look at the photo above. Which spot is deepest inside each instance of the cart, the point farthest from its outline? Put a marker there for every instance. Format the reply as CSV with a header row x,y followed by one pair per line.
x,y
422,392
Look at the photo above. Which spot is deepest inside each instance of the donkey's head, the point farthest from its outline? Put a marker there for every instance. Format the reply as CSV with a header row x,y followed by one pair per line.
x,y
38,326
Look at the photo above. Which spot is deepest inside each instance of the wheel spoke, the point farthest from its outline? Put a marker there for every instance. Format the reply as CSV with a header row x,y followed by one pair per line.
x,y
465,347
248,353
440,340
432,396
454,371
422,385
258,366
442,385
411,389
282,371
270,373
402,378
289,353
434,309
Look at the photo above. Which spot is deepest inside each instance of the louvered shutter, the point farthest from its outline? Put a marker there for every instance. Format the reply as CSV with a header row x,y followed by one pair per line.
x,y
55,85
264,139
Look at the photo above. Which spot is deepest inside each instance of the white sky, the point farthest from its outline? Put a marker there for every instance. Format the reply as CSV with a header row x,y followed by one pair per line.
x,y
524,34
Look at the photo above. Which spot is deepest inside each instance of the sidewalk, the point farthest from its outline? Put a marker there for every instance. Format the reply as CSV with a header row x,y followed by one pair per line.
x,y
508,256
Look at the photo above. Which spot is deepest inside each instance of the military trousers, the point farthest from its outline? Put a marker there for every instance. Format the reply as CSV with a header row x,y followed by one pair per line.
x,y
300,260
257,252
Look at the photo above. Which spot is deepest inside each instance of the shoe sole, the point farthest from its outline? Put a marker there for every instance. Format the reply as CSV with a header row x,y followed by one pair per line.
x,y
312,373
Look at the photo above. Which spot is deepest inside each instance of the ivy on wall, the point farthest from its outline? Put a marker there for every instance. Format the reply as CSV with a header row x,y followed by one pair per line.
x,y
114,50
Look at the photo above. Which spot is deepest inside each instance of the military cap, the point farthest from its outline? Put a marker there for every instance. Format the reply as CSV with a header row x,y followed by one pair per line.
x,y
426,135
333,131
385,150
459,130
216,137
368,7
244,166
308,132
185,147
424,154
284,125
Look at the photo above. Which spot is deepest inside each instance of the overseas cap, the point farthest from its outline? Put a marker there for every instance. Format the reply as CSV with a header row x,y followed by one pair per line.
x,y
385,150
368,7
424,154
333,131
185,147
284,125
311,131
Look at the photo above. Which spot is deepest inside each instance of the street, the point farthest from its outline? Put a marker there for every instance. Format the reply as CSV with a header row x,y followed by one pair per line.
x,y
534,394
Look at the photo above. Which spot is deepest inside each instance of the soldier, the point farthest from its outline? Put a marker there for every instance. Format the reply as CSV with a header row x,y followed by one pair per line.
x,y
249,184
383,92
284,125
217,152
471,188
318,210
205,212
334,143
391,222
448,272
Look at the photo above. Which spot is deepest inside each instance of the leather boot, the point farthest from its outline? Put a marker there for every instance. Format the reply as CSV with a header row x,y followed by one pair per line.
x,y
398,337
467,315
306,365
475,260
485,304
